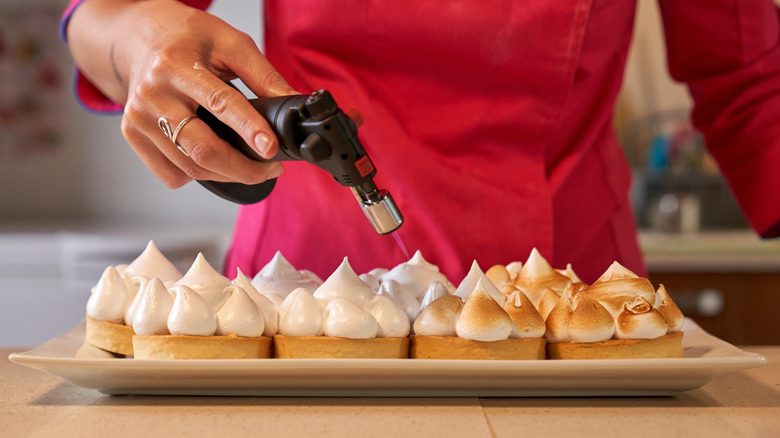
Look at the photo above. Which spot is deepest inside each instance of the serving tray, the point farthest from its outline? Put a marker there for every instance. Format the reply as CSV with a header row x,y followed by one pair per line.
x,y
706,358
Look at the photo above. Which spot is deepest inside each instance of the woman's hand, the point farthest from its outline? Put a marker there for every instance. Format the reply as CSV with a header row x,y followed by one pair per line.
x,y
164,59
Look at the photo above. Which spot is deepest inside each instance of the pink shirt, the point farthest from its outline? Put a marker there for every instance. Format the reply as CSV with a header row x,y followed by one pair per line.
x,y
492,127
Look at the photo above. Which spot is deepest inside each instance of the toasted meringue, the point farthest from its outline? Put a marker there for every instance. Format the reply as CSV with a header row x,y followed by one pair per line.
x,y
513,269
547,302
639,320
569,272
669,310
482,318
439,317
469,284
537,276
557,321
498,275
435,290
589,321
527,322
619,286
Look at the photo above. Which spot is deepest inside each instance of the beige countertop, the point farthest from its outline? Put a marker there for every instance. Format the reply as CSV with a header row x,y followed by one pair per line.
x,y
739,404
721,251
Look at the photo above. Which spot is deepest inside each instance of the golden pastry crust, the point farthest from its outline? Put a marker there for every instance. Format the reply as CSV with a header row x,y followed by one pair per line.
x,y
667,346
109,336
201,347
451,347
314,347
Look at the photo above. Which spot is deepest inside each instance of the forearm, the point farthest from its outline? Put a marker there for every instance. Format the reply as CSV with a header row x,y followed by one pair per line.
x,y
97,44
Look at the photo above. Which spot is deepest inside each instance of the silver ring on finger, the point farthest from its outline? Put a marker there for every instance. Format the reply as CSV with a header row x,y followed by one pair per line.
x,y
173,134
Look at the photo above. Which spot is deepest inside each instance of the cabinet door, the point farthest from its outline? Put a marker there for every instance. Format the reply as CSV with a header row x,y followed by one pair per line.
x,y
740,308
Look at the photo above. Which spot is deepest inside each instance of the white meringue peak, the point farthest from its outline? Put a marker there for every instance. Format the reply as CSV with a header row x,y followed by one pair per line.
x,y
392,321
374,277
239,316
191,314
345,319
206,281
265,305
344,283
280,277
154,307
137,284
151,263
110,298
417,274
401,295
301,314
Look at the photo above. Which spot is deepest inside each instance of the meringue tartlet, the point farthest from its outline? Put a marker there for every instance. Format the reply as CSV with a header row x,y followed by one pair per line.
x,y
619,316
487,325
113,300
189,328
343,318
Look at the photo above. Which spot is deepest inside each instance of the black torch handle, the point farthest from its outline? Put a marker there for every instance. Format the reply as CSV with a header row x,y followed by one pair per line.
x,y
309,128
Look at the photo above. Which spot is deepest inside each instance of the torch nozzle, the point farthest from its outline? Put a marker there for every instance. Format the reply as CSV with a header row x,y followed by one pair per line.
x,y
379,207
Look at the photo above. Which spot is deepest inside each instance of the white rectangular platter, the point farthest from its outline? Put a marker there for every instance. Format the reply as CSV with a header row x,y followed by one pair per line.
x,y
707,357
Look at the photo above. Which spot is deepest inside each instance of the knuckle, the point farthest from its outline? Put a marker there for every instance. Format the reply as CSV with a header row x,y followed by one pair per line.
x,y
272,79
202,155
193,172
243,39
131,114
163,62
217,100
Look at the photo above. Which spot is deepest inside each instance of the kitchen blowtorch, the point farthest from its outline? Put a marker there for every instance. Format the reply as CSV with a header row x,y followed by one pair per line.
x,y
310,128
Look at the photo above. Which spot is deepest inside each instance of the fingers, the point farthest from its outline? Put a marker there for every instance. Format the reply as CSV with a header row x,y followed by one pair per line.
x,y
208,154
233,109
203,155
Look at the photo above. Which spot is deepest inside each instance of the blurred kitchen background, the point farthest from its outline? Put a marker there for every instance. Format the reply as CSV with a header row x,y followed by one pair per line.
x,y
75,197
